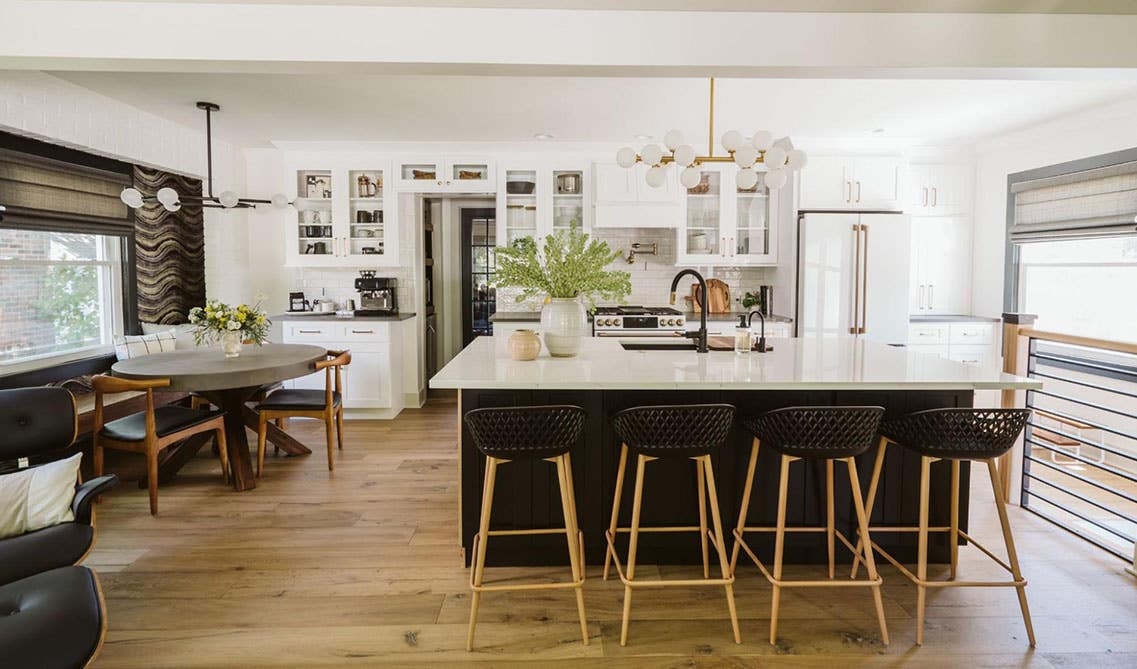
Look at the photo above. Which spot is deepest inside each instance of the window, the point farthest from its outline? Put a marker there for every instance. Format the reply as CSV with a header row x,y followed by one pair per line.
x,y
60,296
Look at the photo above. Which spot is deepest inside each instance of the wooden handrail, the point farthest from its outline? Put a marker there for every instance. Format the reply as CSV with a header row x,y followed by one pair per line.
x,y
1075,340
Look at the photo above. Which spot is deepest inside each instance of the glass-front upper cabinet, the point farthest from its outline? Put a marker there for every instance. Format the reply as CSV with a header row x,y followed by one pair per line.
x,y
755,232
445,175
722,224
701,234
367,220
518,204
315,238
568,199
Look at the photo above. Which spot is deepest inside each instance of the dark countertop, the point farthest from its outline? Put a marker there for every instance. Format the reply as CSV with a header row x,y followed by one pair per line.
x,y
953,318
535,316
319,316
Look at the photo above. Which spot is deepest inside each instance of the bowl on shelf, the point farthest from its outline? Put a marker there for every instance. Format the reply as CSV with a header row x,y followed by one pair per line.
x,y
520,187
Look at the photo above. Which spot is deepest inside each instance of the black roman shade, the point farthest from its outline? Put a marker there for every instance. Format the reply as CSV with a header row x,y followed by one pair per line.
x,y
41,193
1099,202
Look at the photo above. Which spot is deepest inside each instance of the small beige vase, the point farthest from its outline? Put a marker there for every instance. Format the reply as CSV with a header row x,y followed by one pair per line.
x,y
524,345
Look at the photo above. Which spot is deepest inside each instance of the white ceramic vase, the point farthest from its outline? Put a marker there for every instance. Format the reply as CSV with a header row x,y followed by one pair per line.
x,y
563,326
231,343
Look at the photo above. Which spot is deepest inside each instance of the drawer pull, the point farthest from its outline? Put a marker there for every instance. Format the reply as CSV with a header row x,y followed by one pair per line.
x,y
363,332
310,331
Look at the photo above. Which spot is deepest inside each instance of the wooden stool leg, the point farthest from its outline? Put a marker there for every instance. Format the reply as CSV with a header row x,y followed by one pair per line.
x,y
830,514
152,477
483,536
97,456
329,419
922,549
700,475
954,533
870,561
262,434
339,427
1009,540
567,504
616,505
641,462
745,503
870,500
779,547
716,519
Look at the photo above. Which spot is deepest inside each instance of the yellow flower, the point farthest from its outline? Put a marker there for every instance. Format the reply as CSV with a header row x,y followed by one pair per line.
x,y
241,316
260,320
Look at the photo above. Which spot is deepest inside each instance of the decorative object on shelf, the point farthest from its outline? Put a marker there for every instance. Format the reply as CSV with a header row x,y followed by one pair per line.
x,y
368,186
520,186
760,149
470,175
318,186
570,270
232,325
423,174
568,183
172,200
524,345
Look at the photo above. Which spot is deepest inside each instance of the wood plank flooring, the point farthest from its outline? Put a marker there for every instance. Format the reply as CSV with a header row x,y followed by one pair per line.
x,y
361,567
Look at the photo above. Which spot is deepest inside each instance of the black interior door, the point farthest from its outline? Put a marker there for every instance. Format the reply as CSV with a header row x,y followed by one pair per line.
x,y
479,298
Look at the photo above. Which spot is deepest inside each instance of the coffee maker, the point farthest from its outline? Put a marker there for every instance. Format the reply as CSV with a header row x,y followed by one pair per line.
x,y
376,295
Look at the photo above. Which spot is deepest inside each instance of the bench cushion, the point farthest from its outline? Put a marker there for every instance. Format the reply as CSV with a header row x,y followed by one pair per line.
x,y
51,620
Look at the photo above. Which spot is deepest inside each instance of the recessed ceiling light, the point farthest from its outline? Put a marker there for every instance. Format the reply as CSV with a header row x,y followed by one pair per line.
x,y
543,135
644,138
878,131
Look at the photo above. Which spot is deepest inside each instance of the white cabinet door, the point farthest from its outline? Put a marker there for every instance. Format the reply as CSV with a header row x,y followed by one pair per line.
x,y
702,237
918,189
367,380
946,264
950,192
825,183
876,183
614,184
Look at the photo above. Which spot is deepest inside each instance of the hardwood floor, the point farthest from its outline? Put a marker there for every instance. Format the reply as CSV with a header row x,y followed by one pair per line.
x,y
360,567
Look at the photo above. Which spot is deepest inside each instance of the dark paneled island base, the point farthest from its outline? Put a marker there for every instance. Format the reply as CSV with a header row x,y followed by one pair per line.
x,y
526,493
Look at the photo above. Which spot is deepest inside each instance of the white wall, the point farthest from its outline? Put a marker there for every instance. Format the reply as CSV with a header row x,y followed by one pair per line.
x,y
1109,128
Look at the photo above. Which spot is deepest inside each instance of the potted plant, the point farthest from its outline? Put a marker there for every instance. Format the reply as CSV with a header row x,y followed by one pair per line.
x,y
570,269
232,325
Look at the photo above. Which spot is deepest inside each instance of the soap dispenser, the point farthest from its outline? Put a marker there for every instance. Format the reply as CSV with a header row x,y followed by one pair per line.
x,y
742,336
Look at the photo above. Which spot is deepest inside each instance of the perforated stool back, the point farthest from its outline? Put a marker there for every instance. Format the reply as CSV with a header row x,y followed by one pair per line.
x,y
958,434
674,430
513,433
818,432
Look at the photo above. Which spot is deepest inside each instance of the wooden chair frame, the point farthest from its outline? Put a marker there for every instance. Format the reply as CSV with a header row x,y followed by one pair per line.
x,y
775,578
331,414
152,444
573,536
920,578
705,481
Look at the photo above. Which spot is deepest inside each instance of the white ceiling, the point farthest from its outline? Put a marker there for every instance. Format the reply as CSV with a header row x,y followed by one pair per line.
x,y
258,109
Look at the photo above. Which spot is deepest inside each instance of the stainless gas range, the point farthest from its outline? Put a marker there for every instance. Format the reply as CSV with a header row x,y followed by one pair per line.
x,y
637,322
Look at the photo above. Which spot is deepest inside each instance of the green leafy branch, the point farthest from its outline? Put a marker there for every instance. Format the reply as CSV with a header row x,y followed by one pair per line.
x,y
571,265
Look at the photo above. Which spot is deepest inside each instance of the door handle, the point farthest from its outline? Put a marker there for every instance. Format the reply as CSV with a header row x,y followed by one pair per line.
x,y
858,191
923,288
363,332
732,247
864,272
925,202
931,296
856,275
848,191
934,198
336,246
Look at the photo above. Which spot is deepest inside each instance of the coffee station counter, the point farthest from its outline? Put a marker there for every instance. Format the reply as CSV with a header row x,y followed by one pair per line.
x,y
314,316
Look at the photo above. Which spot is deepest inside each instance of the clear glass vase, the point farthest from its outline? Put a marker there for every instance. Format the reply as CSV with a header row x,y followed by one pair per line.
x,y
231,344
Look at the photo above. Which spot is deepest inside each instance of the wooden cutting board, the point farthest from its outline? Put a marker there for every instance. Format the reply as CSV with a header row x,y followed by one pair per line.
x,y
721,343
718,295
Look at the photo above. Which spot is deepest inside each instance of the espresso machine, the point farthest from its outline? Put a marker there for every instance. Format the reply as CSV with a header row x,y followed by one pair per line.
x,y
376,295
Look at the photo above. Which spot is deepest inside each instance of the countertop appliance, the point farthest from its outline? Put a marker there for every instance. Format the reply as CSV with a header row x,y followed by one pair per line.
x,y
297,302
377,295
853,273
637,321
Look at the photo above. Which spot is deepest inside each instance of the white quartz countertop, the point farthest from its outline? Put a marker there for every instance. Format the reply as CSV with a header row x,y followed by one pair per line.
x,y
795,364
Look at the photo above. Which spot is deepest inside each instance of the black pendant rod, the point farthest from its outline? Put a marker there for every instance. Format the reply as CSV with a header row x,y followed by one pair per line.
x,y
209,108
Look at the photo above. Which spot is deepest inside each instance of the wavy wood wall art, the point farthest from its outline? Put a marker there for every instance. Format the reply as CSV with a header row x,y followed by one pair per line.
x,y
170,248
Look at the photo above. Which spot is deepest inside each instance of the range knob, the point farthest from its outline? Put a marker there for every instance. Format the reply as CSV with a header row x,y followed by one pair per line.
x,y
669,321
606,321
679,321
616,322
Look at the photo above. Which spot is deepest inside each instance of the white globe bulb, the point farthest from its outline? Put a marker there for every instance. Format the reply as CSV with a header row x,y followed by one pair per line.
x,y
731,140
744,156
651,154
173,206
775,179
684,155
626,157
302,204
131,197
655,176
747,179
796,159
673,139
279,201
167,195
690,177
762,140
775,156
228,199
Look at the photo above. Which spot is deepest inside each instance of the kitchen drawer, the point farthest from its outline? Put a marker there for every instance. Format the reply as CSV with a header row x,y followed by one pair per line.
x,y
365,331
927,334
972,355
318,332
938,350
972,333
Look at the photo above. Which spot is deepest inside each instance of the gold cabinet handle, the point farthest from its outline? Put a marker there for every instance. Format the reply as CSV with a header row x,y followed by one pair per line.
x,y
858,191
934,198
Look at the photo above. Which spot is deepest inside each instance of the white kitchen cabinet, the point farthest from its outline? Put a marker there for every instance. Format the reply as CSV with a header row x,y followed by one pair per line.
x,y
349,219
434,174
372,383
942,189
974,343
623,199
851,182
557,201
941,253
722,225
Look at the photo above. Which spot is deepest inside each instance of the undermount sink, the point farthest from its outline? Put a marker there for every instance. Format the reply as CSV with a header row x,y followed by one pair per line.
x,y
658,346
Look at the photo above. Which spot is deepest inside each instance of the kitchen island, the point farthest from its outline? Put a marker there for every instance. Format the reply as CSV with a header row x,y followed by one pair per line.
x,y
606,377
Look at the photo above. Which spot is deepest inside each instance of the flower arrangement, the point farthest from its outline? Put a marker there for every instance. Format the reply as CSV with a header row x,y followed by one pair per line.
x,y
217,319
570,266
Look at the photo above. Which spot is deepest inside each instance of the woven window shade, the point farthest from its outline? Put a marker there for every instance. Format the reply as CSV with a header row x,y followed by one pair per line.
x,y
1092,203
38,190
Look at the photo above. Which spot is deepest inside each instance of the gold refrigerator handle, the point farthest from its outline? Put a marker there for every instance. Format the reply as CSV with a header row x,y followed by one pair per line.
x,y
865,280
856,275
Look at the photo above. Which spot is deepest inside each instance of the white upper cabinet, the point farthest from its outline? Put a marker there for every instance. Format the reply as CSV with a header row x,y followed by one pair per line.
x,y
433,174
723,225
938,189
624,200
848,182
538,198
941,254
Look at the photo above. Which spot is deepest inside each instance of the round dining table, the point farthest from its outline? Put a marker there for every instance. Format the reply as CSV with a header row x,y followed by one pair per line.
x,y
229,383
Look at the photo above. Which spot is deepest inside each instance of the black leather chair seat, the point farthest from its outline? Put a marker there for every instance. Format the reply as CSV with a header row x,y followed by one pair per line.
x,y
51,620
300,400
167,420
57,546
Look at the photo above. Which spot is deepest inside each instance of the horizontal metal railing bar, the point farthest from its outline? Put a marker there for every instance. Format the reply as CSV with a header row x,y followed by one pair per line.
x,y
1085,442
1087,421
1090,366
1084,479
1084,460
1092,405
1085,499
1075,340
1096,523
1107,389
1093,540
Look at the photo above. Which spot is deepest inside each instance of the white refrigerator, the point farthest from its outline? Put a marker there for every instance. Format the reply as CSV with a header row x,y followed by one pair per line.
x,y
853,275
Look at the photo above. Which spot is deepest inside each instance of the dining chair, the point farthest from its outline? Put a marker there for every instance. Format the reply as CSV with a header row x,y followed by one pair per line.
x,y
326,404
150,431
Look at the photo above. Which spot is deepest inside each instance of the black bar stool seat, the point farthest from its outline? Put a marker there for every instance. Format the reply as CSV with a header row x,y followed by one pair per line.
x,y
693,431
527,433
952,435
811,433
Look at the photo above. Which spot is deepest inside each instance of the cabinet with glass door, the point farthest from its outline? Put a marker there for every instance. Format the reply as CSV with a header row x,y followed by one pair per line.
x,y
755,232
372,234
312,239
518,204
701,234
445,175
569,209
722,224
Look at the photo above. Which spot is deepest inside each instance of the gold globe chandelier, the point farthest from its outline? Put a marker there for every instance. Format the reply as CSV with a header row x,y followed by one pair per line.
x,y
761,148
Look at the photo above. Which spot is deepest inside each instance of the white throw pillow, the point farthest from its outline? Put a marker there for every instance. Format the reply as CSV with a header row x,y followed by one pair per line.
x,y
133,346
183,333
39,497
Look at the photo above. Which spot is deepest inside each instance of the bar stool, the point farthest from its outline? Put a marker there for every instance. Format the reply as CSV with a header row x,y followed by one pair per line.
x,y
811,433
954,435
672,431
516,433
